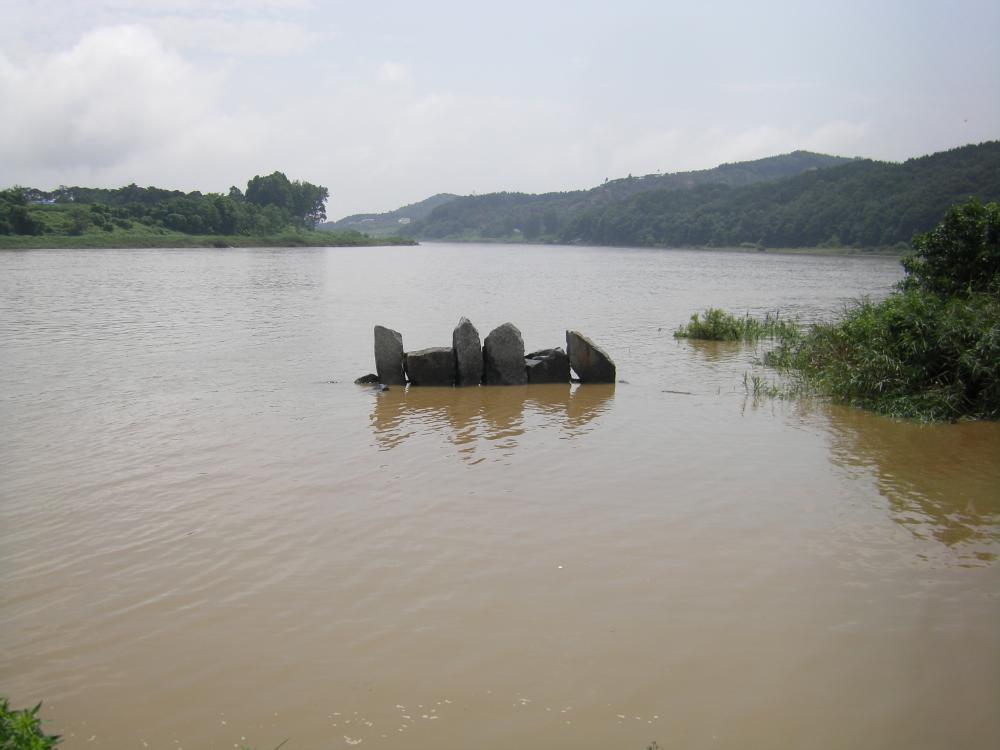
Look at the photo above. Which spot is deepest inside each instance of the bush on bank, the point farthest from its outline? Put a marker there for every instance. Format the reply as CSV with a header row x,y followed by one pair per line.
x,y
929,351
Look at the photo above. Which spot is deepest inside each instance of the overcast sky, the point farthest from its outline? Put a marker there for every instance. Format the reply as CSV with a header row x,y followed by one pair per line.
x,y
387,102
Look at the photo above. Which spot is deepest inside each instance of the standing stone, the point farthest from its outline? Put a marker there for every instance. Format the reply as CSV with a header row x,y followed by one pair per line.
x,y
588,360
547,366
503,357
468,354
434,366
389,356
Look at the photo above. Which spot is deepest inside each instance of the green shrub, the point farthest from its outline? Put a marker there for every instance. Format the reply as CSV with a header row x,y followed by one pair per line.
x,y
915,355
929,351
22,730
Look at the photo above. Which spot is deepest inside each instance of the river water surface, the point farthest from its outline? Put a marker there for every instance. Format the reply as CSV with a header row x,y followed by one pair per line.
x,y
209,537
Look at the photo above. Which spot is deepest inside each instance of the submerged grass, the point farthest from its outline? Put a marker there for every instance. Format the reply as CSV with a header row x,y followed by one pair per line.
x,y
718,325
929,351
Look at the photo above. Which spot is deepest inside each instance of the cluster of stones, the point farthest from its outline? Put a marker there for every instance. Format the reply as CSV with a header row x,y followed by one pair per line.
x,y
499,360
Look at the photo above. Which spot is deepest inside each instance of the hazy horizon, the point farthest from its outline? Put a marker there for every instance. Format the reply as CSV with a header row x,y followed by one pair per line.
x,y
388,106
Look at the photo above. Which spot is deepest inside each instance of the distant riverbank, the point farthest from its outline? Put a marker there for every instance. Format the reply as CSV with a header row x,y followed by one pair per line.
x,y
880,252
167,239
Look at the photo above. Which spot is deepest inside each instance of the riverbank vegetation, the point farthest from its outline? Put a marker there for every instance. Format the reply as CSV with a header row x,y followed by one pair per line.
x,y
22,729
718,325
273,211
929,351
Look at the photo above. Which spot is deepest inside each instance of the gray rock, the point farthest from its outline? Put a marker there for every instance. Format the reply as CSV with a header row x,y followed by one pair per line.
x,y
389,356
503,357
369,379
434,366
588,360
547,366
468,354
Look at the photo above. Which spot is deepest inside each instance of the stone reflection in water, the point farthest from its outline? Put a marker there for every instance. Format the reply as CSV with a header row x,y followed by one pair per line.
x,y
488,417
941,481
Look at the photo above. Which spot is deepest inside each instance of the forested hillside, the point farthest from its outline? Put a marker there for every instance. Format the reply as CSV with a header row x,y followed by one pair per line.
x,y
862,204
390,222
505,216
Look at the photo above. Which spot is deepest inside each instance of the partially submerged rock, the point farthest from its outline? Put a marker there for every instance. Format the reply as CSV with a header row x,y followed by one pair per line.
x,y
503,357
434,366
369,379
389,356
468,354
588,360
547,366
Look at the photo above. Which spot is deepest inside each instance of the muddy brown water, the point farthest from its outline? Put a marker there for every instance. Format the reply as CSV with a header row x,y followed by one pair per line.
x,y
205,543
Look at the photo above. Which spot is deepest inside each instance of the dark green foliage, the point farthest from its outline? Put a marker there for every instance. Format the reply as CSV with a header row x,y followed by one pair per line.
x,y
961,255
15,216
273,205
718,325
861,204
22,730
301,201
915,355
929,351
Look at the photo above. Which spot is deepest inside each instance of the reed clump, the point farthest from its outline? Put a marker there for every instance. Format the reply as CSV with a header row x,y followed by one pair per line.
x,y
718,325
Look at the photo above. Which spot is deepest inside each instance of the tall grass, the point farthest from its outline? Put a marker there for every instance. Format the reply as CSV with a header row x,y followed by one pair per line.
x,y
717,325
22,729
915,355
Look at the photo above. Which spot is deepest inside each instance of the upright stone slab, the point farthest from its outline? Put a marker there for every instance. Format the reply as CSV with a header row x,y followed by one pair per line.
x,y
434,366
547,366
503,357
468,354
588,360
389,356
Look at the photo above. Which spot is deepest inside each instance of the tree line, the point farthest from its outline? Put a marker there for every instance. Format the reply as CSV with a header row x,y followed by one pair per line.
x,y
270,204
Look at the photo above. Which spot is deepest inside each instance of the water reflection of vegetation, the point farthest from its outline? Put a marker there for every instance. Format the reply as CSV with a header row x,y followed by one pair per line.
x,y
496,416
941,481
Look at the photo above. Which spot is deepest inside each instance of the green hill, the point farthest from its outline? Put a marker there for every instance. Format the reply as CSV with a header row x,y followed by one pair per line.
x,y
391,222
538,217
861,204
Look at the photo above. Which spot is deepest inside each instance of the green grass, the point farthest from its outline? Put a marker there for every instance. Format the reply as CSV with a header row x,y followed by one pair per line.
x,y
718,325
915,355
22,730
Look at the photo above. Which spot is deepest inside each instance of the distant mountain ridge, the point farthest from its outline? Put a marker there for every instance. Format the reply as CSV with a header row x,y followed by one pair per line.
x,y
390,222
862,204
507,215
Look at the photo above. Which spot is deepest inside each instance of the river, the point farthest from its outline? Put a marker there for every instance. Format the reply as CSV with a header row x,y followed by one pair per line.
x,y
210,537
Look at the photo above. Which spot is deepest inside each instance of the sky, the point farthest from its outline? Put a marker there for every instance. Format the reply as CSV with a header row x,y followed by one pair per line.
x,y
387,103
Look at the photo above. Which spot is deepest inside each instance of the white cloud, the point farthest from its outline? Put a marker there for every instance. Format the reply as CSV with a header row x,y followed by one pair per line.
x,y
250,37
117,98
390,72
